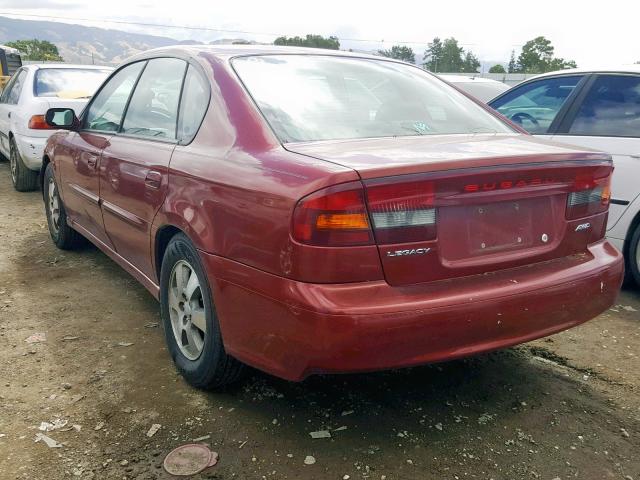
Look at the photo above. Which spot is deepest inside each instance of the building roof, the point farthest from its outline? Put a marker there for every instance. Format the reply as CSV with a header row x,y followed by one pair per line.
x,y
40,66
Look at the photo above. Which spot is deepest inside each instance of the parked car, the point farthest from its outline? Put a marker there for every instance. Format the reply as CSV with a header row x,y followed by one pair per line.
x,y
10,61
483,89
32,90
597,109
288,221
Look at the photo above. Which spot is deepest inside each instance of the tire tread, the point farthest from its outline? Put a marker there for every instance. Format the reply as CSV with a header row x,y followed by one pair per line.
x,y
220,369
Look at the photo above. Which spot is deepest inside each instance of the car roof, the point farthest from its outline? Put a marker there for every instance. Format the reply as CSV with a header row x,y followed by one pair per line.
x,y
630,68
467,79
230,51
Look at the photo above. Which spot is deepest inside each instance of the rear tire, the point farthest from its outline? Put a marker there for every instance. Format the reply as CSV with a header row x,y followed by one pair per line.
x,y
63,236
23,178
632,262
191,326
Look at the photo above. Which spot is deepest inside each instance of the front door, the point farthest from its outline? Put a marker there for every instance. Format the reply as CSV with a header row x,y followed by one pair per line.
x,y
80,170
134,165
537,105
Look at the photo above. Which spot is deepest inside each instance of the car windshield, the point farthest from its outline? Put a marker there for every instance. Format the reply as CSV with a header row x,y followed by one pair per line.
x,y
315,97
68,82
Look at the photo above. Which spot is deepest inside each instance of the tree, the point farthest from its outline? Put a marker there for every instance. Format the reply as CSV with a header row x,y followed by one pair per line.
x,y
452,60
433,55
513,65
497,68
537,57
471,64
39,50
448,57
399,53
313,41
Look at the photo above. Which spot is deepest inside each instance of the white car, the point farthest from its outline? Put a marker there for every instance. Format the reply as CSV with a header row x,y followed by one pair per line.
x,y
599,109
484,89
32,90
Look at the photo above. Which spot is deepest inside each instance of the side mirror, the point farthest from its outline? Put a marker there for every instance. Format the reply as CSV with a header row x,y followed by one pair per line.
x,y
64,118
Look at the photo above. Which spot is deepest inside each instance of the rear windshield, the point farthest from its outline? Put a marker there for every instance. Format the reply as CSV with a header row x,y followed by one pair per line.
x,y
68,82
484,91
314,97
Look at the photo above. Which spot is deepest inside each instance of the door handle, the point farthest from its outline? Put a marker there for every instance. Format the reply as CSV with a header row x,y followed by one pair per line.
x,y
90,158
153,180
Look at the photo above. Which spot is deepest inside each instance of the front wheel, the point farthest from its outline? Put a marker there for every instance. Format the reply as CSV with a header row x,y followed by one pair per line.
x,y
190,321
633,257
23,178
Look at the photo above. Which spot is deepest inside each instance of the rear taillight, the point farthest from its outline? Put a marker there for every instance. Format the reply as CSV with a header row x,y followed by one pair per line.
x,y
407,208
589,195
38,122
333,217
403,212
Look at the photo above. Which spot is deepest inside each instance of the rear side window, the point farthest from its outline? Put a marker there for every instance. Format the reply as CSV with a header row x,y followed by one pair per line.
x,y
14,88
195,100
105,112
611,108
153,110
535,105
68,82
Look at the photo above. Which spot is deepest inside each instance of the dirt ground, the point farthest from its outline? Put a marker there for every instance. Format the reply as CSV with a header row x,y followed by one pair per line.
x,y
559,408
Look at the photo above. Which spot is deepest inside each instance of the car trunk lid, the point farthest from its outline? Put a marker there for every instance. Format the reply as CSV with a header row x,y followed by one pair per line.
x,y
445,207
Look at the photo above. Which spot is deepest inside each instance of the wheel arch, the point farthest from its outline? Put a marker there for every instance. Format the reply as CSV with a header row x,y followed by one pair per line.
x,y
45,161
632,228
163,236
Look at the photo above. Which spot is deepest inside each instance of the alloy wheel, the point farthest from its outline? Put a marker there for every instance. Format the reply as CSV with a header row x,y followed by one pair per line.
x,y
637,256
187,310
13,162
54,205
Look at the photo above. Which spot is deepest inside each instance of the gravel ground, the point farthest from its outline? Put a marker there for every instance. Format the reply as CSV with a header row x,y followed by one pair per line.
x,y
563,407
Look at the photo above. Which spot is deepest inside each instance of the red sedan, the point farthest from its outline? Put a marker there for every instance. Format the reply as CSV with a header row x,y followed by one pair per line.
x,y
304,211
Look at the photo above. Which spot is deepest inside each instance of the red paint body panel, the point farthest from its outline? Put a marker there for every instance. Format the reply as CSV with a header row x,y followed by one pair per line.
x,y
383,157
293,329
293,309
78,156
133,186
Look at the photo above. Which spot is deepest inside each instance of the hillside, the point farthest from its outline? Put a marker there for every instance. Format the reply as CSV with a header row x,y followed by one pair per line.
x,y
80,44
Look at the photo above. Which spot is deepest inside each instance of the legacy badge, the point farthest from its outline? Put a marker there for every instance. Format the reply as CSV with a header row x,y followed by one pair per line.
x,y
413,251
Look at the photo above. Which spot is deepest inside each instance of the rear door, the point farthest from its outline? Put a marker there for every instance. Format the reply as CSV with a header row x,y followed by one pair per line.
x,y
8,103
79,159
538,105
606,116
134,163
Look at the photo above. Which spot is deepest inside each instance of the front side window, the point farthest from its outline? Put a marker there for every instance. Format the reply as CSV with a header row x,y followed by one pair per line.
x,y
68,82
315,97
105,112
195,100
611,108
153,110
535,105
13,89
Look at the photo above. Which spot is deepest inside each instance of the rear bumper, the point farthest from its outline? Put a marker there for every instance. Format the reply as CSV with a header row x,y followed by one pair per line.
x,y
31,150
293,329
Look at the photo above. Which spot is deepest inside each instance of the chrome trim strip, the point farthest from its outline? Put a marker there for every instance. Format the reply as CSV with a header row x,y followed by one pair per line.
x,y
123,214
84,193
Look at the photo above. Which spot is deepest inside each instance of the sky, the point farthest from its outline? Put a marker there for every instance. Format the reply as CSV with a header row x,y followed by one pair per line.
x,y
593,33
